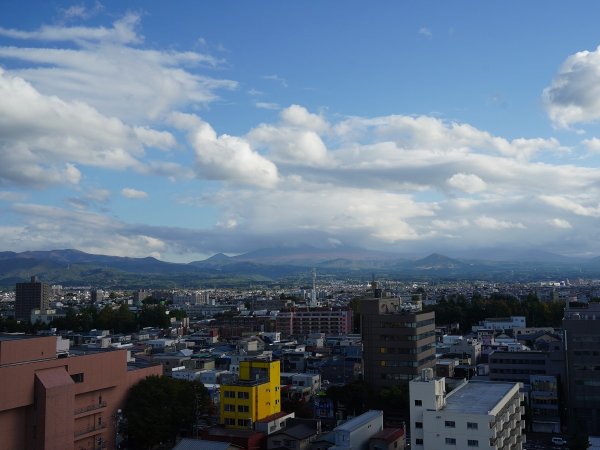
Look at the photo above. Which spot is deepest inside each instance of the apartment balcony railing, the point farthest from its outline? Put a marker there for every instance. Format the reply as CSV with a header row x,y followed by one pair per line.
x,y
90,408
90,430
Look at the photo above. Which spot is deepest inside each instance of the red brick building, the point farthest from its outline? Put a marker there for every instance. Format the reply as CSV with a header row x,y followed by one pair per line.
x,y
51,400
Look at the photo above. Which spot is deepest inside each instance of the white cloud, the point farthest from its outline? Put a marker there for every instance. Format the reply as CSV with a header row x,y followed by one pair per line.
x,y
490,223
424,31
559,223
277,79
45,228
43,139
133,193
450,224
592,145
267,105
150,82
225,157
573,97
296,139
123,31
468,183
574,204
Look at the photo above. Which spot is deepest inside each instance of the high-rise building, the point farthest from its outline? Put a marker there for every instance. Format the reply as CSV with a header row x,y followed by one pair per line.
x,y
582,341
476,414
255,395
30,296
398,343
56,398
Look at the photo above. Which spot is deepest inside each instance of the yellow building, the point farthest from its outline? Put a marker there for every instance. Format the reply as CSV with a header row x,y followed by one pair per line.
x,y
254,396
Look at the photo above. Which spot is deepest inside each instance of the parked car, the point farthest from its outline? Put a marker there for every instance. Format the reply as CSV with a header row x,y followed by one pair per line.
x,y
557,440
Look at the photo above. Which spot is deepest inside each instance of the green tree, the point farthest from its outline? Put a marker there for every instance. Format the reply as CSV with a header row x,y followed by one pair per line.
x,y
153,316
159,409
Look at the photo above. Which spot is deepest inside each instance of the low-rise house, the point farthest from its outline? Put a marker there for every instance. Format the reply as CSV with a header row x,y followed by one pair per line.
x,y
355,433
388,439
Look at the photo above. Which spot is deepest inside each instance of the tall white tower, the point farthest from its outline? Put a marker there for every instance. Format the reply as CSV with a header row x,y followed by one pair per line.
x,y
313,294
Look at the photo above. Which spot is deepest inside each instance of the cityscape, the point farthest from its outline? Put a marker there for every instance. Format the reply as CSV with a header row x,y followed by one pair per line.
x,y
299,225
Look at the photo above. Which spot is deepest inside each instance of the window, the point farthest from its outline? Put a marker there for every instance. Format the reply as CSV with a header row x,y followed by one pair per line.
x,y
450,441
473,443
244,395
418,402
243,422
418,424
229,421
229,407
229,394
472,425
419,441
450,424
77,377
243,408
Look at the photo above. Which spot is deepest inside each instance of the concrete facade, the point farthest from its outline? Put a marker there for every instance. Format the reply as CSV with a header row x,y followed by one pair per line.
x,y
582,342
482,415
30,296
67,402
397,343
316,320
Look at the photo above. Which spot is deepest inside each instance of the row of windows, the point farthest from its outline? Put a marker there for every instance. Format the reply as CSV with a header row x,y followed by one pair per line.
x,y
397,376
589,367
393,363
404,351
240,422
470,442
517,361
519,371
587,382
231,408
231,394
586,338
586,353
452,441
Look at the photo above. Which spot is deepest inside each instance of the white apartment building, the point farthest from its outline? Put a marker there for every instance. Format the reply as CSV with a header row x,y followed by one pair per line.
x,y
475,415
501,323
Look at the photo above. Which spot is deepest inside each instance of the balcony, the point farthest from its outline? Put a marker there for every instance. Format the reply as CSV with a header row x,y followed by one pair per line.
x,y
90,409
90,431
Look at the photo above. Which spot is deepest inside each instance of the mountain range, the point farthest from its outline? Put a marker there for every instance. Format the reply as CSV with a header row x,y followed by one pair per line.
x,y
288,265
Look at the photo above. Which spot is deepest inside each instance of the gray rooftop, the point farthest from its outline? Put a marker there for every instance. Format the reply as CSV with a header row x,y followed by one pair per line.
x,y
359,421
477,397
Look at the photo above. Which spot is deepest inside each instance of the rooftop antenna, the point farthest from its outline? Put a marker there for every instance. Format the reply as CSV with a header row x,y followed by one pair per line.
x,y
313,294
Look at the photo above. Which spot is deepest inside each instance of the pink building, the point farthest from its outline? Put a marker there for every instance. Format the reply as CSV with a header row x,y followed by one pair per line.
x,y
298,322
62,401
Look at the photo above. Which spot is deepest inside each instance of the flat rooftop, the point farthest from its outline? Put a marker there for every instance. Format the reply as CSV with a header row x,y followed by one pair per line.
x,y
477,397
359,421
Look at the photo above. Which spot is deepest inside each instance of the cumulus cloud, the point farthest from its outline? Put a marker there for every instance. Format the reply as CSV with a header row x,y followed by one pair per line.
x,y
296,139
559,223
592,145
133,193
573,97
43,139
468,183
225,157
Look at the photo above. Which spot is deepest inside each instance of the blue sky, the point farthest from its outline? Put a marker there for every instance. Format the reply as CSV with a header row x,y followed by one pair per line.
x,y
182,129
